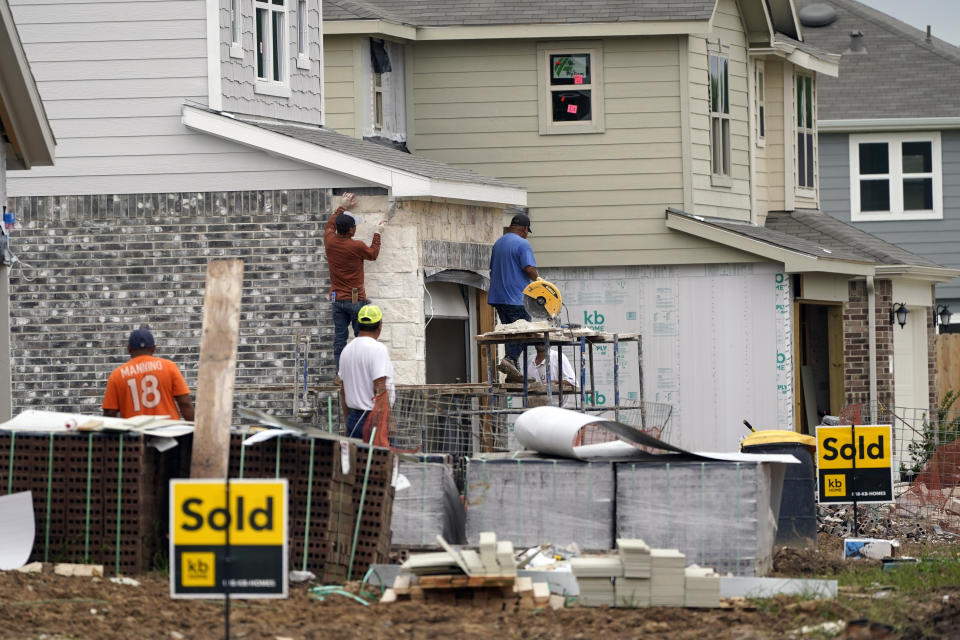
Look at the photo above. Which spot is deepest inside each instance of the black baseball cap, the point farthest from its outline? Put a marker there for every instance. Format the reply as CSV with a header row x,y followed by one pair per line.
x,y
521,220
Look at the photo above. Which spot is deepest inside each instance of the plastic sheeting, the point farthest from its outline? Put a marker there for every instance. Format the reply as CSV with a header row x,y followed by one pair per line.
x,y
430,505
720,514
532,501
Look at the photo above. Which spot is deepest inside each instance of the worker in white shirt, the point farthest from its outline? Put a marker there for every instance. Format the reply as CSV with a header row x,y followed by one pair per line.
x,y
537,372
366,371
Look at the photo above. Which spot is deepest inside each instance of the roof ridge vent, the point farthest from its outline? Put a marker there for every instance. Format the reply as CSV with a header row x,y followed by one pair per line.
x,y
856,43
819,14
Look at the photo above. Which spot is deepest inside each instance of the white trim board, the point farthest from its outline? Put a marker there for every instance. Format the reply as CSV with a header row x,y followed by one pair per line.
x,y
509,31
214,89
400,183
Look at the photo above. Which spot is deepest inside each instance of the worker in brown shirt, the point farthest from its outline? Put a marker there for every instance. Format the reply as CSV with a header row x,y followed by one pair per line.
x,y
345,258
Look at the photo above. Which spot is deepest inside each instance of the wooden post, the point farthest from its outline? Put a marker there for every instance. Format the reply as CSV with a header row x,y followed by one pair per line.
x,y
218,362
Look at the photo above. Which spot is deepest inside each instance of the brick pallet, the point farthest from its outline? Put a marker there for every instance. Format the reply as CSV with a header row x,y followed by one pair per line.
x,y
109,495
87,488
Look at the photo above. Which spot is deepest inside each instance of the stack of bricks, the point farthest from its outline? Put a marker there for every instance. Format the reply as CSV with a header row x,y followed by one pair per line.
x,y
98,498
325,478
103,498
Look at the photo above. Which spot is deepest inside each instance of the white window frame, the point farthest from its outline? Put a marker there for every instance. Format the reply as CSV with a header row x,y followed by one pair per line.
x,y
236,29
279,87
595,50
760,95
805,191
896,176
303,34
377,92
720,122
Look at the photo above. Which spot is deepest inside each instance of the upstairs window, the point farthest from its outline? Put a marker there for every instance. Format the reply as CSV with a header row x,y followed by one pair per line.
x,y
271,46
895,177
806,152
236,32
303,35
235,21
761,97
571,88
719,115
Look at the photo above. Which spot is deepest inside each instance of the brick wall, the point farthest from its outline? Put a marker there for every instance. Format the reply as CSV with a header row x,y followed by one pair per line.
x,y
94,267
856,355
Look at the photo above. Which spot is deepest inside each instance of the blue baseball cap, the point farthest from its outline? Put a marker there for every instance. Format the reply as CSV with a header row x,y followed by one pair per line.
x,y
141,339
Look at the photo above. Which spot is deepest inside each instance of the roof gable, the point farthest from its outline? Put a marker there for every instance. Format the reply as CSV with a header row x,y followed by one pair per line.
x,y
901,75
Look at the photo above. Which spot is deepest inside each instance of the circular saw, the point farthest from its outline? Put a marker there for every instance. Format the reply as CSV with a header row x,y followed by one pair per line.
x,y
542,300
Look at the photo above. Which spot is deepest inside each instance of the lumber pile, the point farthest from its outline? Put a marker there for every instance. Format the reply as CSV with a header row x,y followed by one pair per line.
x,y
486,577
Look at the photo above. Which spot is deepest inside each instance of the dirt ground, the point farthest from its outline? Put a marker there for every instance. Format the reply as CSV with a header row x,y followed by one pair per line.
x,y
51,607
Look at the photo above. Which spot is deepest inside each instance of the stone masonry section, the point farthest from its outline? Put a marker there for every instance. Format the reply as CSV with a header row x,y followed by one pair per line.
x,y
856,356
94,267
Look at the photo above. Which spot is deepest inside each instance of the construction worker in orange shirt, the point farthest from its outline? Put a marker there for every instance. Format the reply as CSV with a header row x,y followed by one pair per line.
x,y
146,385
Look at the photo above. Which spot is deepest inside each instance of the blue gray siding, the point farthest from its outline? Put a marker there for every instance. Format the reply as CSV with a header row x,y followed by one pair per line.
x,y
239,75
934,239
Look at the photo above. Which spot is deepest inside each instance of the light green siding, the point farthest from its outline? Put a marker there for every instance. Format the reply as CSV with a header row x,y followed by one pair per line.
x,y
727,200
340,73
595,198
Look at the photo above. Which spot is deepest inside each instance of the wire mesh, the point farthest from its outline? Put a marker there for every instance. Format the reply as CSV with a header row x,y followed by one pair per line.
x,y
469,420
926,454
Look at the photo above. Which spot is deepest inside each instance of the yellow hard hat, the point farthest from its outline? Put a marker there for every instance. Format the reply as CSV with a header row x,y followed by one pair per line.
x,y
369,314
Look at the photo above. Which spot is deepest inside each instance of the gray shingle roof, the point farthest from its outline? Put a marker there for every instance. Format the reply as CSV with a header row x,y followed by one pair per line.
x,y
440,13
902,75
381,154
815,233
845,241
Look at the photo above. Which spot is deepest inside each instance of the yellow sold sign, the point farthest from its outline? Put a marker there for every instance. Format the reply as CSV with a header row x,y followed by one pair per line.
x,y
247,516
836,448
255,516
855,464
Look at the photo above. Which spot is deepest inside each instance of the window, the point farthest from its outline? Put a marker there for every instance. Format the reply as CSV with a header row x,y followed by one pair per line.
x,y
271,46
236,32
571,88
235,21
378,102
806,153
719,116
895,177
303,35
761,97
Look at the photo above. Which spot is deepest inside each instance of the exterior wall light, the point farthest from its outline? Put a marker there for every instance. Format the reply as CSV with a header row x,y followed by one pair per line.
x,y
900,311
943,314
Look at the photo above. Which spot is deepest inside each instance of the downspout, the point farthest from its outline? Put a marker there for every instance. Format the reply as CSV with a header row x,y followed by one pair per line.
x,y
872,342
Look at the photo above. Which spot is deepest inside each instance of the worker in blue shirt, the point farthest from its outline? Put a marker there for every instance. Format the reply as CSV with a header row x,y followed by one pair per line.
x,y
512,268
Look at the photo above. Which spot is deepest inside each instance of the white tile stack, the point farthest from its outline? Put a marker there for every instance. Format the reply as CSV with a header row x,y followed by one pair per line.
x,y
633,589
702,587
496,557
508,566
488,553
595,577
667,578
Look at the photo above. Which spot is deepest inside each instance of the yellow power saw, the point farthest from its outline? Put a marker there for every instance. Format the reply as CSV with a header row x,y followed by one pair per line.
x,y
542,300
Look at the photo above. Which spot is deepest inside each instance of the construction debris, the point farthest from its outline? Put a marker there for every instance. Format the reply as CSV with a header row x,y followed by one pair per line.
x,y
487,578
887,522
